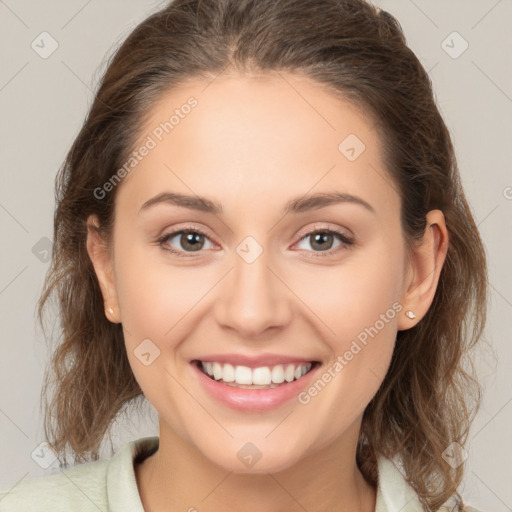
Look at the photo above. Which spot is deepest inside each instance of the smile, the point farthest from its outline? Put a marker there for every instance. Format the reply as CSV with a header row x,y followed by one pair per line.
x,y
253,389
263,377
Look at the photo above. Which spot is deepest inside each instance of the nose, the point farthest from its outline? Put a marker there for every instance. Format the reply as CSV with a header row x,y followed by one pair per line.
x,y
253,298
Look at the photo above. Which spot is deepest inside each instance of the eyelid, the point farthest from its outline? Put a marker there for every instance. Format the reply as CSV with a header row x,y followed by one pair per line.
x,y
188,227
321,226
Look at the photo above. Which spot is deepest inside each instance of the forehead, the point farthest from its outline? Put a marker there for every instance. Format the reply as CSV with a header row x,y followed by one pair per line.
x,y
248,139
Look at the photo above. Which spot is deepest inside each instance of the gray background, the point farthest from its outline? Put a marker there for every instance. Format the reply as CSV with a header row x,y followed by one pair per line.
x,y
43,103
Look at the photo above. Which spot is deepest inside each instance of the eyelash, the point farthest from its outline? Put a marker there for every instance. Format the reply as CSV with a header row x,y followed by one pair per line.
x,y
347,241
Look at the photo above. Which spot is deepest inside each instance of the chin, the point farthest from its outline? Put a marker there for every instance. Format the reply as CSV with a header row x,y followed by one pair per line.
x,y
253,458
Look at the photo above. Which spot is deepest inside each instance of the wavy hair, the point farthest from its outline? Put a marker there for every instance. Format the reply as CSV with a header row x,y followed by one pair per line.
x,y
353,49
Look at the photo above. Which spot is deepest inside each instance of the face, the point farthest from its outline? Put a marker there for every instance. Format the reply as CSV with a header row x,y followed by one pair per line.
x,y
255,284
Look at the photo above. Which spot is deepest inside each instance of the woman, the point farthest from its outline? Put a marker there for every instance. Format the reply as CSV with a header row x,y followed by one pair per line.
x,y
228,142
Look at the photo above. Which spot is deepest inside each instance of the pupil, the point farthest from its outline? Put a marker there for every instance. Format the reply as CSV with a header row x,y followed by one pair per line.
x,y
321,238
191,241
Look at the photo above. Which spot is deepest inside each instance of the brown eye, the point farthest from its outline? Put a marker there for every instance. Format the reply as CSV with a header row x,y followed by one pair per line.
x,y
322,241
183,241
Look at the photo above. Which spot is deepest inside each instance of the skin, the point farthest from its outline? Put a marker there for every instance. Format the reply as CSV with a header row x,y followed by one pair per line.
x,y
251,144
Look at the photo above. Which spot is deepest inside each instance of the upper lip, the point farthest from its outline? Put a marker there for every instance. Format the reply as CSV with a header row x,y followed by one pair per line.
x,y
253,361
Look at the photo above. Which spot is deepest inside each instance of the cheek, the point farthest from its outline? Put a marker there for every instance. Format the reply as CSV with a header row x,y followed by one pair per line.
x,y
354,294
153,294
357,306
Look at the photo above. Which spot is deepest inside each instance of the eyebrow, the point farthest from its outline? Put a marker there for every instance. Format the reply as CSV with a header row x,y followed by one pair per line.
x,y
297,205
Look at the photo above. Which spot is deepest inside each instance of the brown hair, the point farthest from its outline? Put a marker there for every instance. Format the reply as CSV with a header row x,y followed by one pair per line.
x,y
428,397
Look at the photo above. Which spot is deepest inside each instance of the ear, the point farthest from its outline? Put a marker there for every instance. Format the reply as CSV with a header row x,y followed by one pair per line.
x,y
101,260
424,269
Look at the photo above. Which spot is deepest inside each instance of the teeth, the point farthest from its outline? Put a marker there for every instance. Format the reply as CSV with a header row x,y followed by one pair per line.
x,y
278,374
217,371
289,373
228,373
262,376
243,375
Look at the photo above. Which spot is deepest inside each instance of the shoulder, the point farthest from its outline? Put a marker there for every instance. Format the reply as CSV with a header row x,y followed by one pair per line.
x,y
82,487
92,486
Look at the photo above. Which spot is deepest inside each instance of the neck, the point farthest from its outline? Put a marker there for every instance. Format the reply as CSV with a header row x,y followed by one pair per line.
x,y
179,477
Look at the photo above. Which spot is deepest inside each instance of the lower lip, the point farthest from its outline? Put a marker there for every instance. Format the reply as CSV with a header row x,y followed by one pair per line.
x,y
245,399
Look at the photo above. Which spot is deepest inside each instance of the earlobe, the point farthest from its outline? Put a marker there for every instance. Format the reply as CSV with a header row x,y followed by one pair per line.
x,y
426,264
101,261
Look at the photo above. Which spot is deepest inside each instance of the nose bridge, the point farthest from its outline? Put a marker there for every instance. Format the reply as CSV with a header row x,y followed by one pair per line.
x,y
252,297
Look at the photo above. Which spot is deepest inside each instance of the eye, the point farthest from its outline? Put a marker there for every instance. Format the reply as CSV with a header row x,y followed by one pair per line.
x,y
322,241
188,240
192,240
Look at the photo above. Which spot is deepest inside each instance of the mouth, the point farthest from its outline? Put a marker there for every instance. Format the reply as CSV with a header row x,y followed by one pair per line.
x,y
262,377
